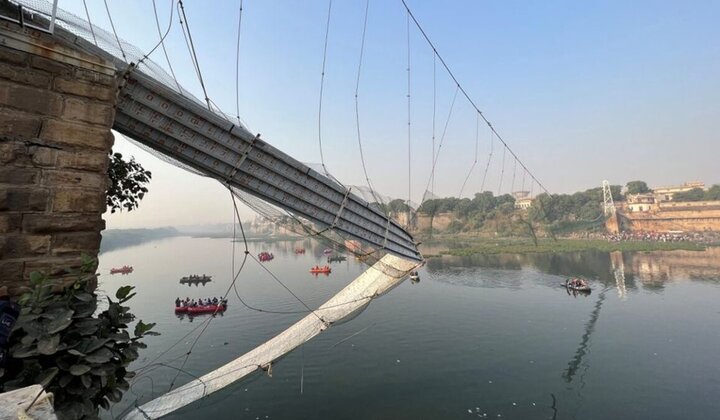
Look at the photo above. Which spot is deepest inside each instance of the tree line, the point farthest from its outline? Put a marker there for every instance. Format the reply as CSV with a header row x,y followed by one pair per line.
x,y
558,212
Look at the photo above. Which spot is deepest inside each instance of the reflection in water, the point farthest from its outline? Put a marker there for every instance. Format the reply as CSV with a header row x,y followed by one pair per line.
x,y
582,349
618,269
623,270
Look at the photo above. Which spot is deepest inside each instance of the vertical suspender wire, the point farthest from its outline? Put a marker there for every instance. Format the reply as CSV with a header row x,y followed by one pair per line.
x,y
442,138
487,166
465,94
237,66
162,42
477,135
512,187
532,186
357,104
322,85
432,177
523,181
92,31
502,171
193,55
112,25
409,129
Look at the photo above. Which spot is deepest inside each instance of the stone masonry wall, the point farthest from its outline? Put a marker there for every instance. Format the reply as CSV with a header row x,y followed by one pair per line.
x,y
55,120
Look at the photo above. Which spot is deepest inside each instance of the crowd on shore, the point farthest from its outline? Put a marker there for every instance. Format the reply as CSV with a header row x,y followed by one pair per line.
x,y
659,236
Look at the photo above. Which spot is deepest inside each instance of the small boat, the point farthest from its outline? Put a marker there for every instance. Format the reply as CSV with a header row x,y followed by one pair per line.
x,y
321,270
195,279
336,258
299,250
327,251
125,269
568,285
265,256
203,309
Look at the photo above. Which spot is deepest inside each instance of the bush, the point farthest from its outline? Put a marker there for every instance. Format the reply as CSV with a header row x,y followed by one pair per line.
x,y
81,359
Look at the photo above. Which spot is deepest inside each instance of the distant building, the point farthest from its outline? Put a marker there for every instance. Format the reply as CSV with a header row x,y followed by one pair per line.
x,y
523,203
523,200
667,193
640,202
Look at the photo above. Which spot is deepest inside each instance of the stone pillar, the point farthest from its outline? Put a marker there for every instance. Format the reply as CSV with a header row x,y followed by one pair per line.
x,y
56,111
612,223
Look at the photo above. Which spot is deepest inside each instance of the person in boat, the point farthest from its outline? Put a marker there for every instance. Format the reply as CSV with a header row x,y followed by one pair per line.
x,y
177,302
215,301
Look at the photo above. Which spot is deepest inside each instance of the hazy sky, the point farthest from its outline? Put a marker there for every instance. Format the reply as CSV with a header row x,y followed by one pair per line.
x,y
582,91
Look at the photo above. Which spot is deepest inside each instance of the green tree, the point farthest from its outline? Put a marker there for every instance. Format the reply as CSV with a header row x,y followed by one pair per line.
x,y
430,207
696,194
128,180
713,193
637,187
398,206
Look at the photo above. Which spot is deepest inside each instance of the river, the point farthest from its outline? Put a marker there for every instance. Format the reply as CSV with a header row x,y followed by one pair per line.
x,y
477,337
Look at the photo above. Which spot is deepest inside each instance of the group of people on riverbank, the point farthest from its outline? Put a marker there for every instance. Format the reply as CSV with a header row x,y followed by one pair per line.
x,y
658,236
192,303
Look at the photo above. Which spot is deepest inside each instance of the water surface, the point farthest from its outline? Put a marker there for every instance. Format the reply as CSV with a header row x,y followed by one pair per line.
x,y
491,336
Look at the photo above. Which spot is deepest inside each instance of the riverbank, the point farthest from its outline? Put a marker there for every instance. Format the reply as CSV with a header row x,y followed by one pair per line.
x,y
472,246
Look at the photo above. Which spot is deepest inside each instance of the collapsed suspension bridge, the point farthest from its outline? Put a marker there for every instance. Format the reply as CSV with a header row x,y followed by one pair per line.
x,y
164,117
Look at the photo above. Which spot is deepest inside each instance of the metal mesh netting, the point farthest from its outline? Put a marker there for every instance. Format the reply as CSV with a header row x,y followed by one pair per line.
x,y
116,46
125,52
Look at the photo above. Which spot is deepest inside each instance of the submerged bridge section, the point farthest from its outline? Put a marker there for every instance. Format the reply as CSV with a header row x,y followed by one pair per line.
x,y
178,126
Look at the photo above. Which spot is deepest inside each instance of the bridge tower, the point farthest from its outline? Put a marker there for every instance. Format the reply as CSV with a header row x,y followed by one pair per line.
x,y
608,203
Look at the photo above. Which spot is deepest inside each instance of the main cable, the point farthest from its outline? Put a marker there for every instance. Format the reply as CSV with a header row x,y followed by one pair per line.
x,y
472,103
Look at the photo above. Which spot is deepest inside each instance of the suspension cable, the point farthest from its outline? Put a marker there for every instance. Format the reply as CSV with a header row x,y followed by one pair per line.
x,y
112,25
409,129
92,31
162,41
191,47
322,85
237,66
464,92
477,135
502,171
432,177
442,138
357,104
487,166
512,186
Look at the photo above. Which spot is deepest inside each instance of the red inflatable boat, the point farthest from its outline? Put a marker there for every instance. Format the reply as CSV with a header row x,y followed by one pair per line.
x,y
205,309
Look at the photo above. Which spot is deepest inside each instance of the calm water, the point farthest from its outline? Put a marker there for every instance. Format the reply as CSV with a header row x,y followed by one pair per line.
x,y
486,336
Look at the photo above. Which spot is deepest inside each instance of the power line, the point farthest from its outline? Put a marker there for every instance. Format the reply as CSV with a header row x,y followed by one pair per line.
x,y
452,75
